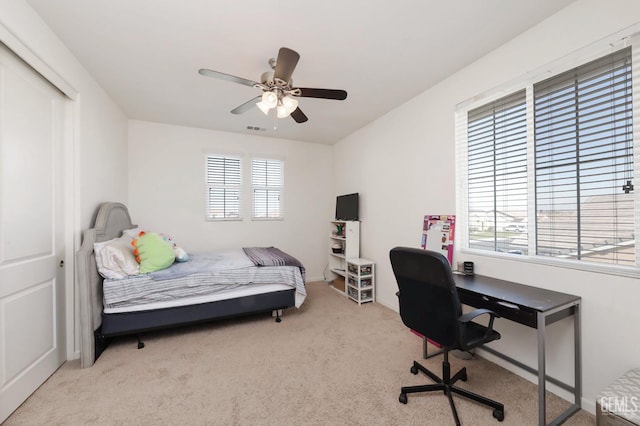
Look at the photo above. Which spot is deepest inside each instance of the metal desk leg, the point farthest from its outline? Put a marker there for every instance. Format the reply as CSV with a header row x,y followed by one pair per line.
x,y
425,352
542,377
577,353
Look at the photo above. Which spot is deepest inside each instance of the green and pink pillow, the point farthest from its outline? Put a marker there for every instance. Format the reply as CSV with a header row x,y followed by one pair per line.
x,y
152,252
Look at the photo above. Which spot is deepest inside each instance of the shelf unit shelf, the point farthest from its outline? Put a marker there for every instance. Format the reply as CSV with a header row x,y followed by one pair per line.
x,y
344,243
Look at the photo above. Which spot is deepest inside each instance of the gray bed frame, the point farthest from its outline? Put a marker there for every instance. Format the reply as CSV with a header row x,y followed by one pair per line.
x,y
96,327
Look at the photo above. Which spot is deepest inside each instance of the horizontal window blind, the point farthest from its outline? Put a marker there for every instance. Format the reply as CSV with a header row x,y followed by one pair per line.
x,y
224,184
584,162
267,182
497,175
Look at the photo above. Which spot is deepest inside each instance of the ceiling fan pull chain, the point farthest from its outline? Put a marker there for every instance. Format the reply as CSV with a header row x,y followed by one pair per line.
x,y
275,121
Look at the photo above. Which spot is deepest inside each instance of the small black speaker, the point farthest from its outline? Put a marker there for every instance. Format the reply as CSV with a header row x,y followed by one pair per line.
x,y
468,268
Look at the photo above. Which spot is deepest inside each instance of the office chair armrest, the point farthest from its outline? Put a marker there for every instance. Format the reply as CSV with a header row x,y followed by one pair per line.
x,y
477,312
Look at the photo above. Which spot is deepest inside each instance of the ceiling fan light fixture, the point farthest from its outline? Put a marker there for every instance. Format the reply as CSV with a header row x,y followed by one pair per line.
x,y
270,99
286,106
263,107
290,103
282,111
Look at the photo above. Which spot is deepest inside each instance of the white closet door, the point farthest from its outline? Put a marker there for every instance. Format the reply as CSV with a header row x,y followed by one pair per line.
x,y
32,340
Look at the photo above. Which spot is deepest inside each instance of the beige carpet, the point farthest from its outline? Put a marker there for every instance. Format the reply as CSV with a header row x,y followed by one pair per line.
x,y
328,363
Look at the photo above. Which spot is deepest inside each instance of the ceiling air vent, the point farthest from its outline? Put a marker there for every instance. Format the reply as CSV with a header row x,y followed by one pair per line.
x,y
257,129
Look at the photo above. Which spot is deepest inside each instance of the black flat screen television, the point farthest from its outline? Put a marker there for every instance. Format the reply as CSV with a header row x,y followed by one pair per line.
x,y
347,207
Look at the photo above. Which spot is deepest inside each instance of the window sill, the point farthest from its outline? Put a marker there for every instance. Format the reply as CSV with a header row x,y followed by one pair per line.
x,y
623,271
226,219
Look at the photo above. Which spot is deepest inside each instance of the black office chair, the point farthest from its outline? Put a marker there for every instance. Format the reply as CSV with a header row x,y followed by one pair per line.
x,y
429,304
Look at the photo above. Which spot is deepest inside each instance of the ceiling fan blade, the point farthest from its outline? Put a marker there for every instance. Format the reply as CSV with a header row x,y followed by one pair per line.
x,y
246,106
299,116
339,95
285,64
227,77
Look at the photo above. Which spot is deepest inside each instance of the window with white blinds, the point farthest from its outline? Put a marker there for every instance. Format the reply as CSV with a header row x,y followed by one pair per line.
x,y
267,182
224,187
549,168
584,162
497,175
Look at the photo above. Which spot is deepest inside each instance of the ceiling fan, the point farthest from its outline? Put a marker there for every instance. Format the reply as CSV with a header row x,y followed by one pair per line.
x,y
277,88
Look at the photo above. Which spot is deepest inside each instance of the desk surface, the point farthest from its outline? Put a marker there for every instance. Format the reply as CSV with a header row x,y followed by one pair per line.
x,y
516,302
538,299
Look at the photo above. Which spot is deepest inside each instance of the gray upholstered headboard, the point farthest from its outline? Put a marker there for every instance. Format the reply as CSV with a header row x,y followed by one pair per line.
x,y
111,220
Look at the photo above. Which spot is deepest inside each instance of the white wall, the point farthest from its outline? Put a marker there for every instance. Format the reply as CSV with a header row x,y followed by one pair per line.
x,y
167,191
409,171
97,146
100,125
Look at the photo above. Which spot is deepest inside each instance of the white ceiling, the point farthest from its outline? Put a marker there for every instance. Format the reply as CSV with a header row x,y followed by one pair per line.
x,y
146,53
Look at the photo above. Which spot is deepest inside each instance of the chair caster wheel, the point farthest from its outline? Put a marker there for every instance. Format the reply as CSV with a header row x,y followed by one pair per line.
x,y
414,370
463,377
403,398
498,414
278,319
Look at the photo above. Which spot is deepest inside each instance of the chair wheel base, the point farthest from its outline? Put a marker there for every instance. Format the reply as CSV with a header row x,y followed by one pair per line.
x,y
499,415
403,398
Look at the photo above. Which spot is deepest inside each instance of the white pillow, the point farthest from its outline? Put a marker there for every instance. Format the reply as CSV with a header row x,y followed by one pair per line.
x,y
133,232
115,258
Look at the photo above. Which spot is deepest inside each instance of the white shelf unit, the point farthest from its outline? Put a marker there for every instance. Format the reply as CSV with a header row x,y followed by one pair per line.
x,y
361,285
346,234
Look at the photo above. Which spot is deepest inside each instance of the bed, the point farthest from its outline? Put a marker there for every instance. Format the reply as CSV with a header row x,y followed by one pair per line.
x,y
246,281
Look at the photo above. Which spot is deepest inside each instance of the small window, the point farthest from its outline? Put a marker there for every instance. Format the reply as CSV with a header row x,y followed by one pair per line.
x,y
267,183
224,184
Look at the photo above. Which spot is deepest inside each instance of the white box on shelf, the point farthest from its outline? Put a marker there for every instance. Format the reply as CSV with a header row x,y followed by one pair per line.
x,y
360,280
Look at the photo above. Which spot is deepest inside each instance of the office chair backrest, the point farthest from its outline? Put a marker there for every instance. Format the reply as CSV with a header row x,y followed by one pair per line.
x,y
428,297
